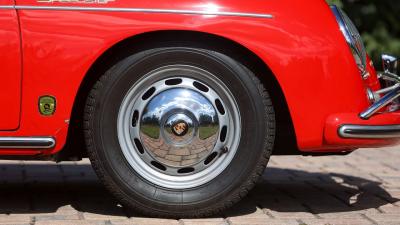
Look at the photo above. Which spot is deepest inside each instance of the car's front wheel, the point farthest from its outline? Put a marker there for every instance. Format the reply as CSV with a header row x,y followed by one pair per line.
x,y
179,131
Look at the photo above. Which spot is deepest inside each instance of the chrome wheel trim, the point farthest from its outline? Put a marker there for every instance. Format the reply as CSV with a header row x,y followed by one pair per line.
x,y
132,108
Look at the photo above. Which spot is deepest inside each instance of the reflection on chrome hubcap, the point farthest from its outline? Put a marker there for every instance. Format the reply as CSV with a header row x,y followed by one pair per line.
x,y
179,127
174,129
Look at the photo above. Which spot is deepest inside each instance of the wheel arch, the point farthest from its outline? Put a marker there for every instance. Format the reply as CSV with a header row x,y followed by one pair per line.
x,y
285,131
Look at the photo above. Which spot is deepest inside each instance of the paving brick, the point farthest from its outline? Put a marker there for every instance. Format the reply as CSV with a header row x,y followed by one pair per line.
x,y
72,222
246,209
361,188
173,158
349,215
14,219
145,221
54,217
95,216
206,221
390,208
386,218
289,215
258,221
14,223
337,221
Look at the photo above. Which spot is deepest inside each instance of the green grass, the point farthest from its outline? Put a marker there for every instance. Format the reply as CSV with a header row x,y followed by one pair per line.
x,y
206,132
152,131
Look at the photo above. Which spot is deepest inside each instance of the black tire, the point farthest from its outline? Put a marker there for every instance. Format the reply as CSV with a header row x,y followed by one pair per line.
x,y
134,192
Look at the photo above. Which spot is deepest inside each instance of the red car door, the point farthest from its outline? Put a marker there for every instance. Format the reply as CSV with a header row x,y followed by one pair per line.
x,y
10,69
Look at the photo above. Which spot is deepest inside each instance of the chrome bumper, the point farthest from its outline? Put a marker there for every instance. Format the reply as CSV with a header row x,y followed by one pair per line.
x,y
389,94
369,132
392,92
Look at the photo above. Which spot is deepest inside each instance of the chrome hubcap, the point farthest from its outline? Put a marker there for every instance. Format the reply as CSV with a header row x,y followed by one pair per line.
x,y
179,127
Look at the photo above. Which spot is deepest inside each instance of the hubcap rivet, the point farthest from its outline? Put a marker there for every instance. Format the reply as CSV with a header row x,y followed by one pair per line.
x,y
224,150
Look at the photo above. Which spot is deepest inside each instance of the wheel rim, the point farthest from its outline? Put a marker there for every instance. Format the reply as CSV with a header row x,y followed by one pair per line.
x,y
179,126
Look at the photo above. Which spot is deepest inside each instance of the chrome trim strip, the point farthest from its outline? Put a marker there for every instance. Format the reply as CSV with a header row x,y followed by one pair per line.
x,y
138,10
27,142
369,132
352,37
7,7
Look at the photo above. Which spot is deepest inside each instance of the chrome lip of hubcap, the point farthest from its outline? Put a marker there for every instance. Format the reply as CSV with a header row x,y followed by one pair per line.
x,y
172,127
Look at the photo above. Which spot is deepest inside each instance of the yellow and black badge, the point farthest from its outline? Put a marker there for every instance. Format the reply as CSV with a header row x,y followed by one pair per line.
x,y
47,105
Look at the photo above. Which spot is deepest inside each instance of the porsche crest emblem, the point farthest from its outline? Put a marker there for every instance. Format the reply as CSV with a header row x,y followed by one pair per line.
x,y
47,105
180,128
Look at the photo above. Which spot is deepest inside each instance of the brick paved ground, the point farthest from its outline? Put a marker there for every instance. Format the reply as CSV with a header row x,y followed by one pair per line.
x,y
361,188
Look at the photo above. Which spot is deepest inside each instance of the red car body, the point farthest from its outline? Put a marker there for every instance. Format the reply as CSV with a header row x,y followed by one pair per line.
x,y
51,47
